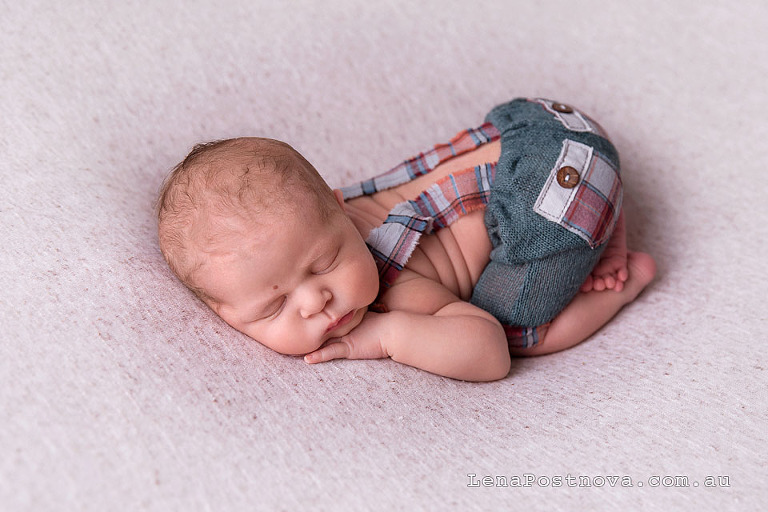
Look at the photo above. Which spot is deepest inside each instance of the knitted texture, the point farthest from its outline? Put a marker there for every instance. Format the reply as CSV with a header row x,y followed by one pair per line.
x,y
539,261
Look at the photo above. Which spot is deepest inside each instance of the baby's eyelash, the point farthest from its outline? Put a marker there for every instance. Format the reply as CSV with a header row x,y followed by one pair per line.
x,y
279,308
272,312
329,266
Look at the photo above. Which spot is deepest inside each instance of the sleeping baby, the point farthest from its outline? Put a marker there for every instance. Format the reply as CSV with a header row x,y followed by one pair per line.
x,y
508,240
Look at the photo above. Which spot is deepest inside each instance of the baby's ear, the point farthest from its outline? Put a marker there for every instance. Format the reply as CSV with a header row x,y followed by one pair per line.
x,y
339,195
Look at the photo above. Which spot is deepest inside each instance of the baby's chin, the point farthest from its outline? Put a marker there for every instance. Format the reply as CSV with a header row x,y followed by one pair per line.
x,y
356,320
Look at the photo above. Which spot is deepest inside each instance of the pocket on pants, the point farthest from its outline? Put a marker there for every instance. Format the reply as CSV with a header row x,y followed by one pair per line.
x,y
582,193
571,118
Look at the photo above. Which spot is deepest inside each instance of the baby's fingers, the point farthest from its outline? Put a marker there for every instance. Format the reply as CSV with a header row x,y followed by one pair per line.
x,y
335,350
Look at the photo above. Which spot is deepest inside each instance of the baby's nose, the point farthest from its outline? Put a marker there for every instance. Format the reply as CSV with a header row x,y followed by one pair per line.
x,y
315,302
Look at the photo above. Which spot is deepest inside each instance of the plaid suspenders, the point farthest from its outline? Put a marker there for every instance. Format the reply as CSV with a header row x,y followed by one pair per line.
x,y
437,207
423,163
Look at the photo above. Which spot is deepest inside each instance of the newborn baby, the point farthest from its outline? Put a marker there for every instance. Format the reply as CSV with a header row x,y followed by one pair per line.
x,y
510,239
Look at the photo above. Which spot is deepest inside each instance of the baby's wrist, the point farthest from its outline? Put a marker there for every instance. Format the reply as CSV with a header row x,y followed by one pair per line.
x,y
392,326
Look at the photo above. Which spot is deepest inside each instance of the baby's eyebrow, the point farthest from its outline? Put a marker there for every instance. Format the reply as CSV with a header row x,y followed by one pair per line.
x,y
321,250
324,250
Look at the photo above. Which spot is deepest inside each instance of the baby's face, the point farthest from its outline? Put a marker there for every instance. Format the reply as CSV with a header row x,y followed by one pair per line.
x,y
302,282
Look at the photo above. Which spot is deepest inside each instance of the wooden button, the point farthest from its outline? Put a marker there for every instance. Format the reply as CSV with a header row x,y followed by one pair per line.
x,y
568,177
562,108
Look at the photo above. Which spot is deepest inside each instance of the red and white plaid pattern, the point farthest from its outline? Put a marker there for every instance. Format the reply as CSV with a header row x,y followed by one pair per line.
x,y
589,210
423,163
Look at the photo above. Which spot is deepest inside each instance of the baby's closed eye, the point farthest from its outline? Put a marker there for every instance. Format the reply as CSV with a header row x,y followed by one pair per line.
x,y
326,263
270,312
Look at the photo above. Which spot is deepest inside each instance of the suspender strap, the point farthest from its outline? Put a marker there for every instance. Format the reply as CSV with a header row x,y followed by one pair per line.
x,y
456,195
437,207
423,163
393,242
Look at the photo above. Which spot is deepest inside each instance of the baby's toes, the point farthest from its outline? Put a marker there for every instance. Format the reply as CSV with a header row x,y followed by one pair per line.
x,y
598,283
587,286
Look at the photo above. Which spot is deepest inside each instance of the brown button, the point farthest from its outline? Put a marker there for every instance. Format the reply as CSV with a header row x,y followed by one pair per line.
x,y
568,177
562,107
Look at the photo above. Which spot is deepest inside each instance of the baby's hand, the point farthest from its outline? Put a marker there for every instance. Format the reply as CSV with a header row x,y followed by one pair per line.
x,y
364,342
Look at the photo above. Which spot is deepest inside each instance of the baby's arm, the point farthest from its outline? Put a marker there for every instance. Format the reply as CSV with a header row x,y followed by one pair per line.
x,y
438,333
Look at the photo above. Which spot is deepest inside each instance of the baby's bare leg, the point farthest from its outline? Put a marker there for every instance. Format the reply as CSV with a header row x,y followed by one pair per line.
x,y
611,272
589,311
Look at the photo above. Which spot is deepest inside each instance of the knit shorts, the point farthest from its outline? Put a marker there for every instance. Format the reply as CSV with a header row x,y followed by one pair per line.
x,y
554,202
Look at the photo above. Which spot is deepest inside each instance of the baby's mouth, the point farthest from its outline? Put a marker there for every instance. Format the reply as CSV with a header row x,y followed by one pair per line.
x,y
341,321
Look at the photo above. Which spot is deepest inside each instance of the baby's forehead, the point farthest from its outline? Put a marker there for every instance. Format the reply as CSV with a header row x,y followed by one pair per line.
x,y
225,239
236,186
224,223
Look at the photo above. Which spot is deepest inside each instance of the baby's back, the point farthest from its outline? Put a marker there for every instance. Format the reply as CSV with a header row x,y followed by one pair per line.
x,y
454,256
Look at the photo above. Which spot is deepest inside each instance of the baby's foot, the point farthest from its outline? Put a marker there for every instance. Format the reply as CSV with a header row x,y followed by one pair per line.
x,y
611,272
642,270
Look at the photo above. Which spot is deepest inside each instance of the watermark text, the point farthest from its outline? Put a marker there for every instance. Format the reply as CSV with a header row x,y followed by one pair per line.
x,y
608,481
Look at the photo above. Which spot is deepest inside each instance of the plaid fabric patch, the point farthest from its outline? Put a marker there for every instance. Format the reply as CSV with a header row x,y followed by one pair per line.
x,y
423,163
393,242
522,337
589,209
596,206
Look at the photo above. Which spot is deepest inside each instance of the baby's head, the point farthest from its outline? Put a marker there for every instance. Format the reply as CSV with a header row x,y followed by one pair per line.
x,y
253,230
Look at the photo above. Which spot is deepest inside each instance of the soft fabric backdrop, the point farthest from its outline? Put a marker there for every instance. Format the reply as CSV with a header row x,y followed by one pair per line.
x,y
120,391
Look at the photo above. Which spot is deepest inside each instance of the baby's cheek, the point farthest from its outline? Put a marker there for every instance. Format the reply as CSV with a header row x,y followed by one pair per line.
x,y
262,335
249,331
369,277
